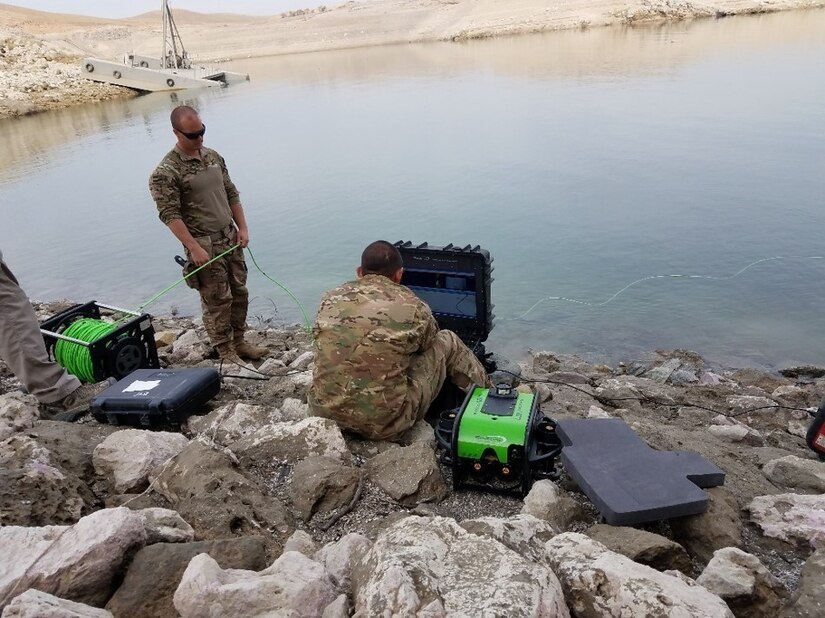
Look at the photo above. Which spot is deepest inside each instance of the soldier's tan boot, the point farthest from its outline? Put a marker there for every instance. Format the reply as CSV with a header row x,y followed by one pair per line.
x,y
228,354
76,403
249,351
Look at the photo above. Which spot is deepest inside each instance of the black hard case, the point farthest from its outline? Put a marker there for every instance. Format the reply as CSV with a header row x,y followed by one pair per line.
x,y
456,259
177,394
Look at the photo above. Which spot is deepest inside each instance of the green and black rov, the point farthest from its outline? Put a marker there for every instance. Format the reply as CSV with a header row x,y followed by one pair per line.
x,y
499,440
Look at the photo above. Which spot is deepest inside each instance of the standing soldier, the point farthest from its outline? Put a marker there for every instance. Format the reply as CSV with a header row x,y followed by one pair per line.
x,y
380,358
199,203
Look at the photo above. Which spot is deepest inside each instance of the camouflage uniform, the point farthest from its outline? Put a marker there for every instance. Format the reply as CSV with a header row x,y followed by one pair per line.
x,y
200,193
380,359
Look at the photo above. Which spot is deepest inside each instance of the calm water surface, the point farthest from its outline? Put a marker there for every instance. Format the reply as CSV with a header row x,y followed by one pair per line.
x,y
582,160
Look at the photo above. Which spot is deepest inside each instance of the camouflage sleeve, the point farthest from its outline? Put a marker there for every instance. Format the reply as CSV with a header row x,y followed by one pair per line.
x,y
425,327
231,191
163,185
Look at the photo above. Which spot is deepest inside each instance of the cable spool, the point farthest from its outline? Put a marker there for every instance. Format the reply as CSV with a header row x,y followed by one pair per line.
x,y
110,348
75,358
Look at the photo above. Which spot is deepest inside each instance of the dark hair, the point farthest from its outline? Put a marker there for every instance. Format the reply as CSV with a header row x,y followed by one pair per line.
x,y
381,258
179,113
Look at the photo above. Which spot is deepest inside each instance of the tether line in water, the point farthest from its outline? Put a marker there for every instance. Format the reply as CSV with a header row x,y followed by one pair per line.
x,y
651,277
307,323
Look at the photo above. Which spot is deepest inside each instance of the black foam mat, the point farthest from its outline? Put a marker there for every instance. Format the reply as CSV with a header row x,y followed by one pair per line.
x,y
629,482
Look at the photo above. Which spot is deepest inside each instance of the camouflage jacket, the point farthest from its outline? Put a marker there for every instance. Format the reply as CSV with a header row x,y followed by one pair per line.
x,y
199,192
365,333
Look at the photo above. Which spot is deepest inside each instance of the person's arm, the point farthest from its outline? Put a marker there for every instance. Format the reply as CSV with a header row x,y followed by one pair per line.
x,y
240,221
182,233
425,328
165,191
234,199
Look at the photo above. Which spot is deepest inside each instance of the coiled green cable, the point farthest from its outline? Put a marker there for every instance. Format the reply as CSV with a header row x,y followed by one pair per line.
x,y
76,358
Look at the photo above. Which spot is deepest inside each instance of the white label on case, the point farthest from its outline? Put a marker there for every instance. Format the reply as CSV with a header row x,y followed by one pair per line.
x,y
139,385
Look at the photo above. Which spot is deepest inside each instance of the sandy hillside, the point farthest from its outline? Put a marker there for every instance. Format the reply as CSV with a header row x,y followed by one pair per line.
x,y
39,52
355,24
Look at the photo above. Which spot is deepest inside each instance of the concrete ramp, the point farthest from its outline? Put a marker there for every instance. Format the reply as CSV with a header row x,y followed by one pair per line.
x,y
629,482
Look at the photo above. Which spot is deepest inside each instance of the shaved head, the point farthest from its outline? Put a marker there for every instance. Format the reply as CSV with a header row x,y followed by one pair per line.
x,y
381,258
180,114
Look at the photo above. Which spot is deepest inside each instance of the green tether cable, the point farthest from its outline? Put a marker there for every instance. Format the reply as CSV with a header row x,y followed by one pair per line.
x,y
185,277
76,358
307,323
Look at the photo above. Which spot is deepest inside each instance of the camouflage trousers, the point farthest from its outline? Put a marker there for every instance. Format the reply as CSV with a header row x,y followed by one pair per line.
x,y
448,357
222,286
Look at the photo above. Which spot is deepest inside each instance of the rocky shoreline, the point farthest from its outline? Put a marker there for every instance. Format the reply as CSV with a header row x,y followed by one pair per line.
x,y
35,77
254,506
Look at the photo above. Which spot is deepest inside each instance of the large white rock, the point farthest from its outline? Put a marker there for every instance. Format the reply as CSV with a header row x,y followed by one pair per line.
x,y
596,412
433,567
294,409
165,526
339,557
303,360
793,518
301,541
743,404
791,393
292,441
797,473
36,604
549,502
294,586
17,413
808,601
743,583
127,457
339,608
619,389
188,348
736,433
598,582
76,562
524,534
34,488
238,419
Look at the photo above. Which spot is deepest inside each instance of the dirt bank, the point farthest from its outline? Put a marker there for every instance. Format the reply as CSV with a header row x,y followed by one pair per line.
x,y
43,72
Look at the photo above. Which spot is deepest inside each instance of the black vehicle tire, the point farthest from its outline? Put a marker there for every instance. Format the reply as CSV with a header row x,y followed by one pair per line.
x,y
170,82
90,67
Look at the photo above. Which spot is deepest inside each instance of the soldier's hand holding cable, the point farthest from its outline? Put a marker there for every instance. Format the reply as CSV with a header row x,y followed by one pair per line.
x,y
199,255
243,236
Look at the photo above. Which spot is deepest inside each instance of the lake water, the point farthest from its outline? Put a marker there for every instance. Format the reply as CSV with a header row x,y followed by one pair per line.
x,y
582,160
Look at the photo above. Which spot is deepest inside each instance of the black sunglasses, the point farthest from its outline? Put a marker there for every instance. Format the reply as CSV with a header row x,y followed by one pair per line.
x,y
196,134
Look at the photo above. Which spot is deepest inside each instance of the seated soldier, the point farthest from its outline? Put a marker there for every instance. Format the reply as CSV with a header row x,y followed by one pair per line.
x,y
380,359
